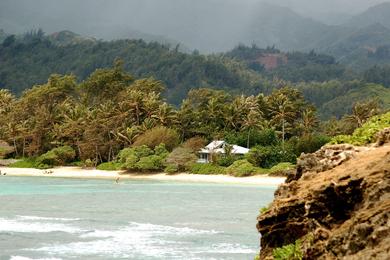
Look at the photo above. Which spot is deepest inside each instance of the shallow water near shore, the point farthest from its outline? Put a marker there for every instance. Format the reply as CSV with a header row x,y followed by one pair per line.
x,y
46,218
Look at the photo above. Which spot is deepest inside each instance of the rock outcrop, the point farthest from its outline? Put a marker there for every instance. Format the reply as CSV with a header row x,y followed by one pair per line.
x,y
337,204
383,137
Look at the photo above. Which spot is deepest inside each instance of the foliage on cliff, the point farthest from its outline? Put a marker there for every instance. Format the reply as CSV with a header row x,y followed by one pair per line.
x,y
367,133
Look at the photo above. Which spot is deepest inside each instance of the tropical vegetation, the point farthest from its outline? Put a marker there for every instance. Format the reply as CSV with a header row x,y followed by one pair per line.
x,y
31,58
112,120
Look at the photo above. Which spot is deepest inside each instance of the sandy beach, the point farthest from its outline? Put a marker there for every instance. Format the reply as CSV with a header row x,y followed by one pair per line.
x,y
76,172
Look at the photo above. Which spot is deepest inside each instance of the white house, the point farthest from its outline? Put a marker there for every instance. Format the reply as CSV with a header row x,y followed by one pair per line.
x,y
219,147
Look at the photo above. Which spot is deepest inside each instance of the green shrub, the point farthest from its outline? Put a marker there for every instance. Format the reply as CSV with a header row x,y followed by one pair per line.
x,y
150,163
158,135
161,150
207,169
289,252
29,163
171,169
226,161
366,133
142,158
23,163
281,169
88,163
134,153
2,152
268,156
129,157
263,209
49,158
109,166
309,143
182,157
5,149
77,164
57,156
242,168
195,143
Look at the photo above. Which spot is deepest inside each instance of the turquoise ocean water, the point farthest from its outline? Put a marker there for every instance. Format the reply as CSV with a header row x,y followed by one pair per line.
x,y
47,218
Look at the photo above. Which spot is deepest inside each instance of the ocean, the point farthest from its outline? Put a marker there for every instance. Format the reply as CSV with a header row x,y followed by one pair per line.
x,y
50,218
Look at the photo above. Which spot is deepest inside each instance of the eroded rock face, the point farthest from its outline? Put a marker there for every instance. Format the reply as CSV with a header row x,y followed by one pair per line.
x,y
339,205
327,158
383,137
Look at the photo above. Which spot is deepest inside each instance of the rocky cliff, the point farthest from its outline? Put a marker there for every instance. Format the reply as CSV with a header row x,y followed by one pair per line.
x,y
337,204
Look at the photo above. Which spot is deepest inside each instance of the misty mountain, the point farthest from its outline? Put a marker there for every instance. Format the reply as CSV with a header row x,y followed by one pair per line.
x,y
358,48
376,14
280,26
3,35
64,38
205,25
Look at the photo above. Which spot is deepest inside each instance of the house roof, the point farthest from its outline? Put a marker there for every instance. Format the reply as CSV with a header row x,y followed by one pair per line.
x,y
239,149
218,147
215,145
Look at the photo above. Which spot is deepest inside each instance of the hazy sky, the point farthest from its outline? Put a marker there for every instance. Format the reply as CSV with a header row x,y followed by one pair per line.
x,y
339,6
182,20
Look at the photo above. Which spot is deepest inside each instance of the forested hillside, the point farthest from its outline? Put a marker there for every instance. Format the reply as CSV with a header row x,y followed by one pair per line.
x,y
31,58
291,66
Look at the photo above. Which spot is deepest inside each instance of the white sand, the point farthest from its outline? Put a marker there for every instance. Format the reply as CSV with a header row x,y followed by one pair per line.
x,y
76,172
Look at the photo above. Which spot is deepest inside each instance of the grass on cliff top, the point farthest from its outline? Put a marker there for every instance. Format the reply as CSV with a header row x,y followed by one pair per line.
x,y
366,133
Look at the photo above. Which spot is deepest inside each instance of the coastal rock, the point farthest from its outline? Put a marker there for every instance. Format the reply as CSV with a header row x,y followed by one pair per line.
x,y
339,206
327,158
383,137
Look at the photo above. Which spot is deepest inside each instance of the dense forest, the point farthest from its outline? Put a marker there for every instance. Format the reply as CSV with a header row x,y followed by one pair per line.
x,y
114,120
31,58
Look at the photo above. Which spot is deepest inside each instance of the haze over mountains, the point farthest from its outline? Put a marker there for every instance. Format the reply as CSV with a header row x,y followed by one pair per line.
x,y
207,25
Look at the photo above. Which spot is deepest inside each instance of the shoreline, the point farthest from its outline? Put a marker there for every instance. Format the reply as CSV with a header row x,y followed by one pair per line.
x,y
79,173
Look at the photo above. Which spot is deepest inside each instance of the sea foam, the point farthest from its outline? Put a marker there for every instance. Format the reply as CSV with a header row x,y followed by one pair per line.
x,y
144,240
45,218
27,258
20,225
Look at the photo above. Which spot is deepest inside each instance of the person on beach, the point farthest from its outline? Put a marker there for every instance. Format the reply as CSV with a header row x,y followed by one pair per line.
x,y
117,180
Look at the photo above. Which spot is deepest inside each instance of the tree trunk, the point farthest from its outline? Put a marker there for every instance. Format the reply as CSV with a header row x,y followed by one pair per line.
x,y
247,141
283,135
15,147
24,146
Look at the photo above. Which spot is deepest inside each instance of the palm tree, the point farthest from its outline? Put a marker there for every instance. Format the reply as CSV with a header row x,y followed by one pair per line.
x,y
251,122
282,111
253,117
165,115
362,111
235,113
6,101
309,121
